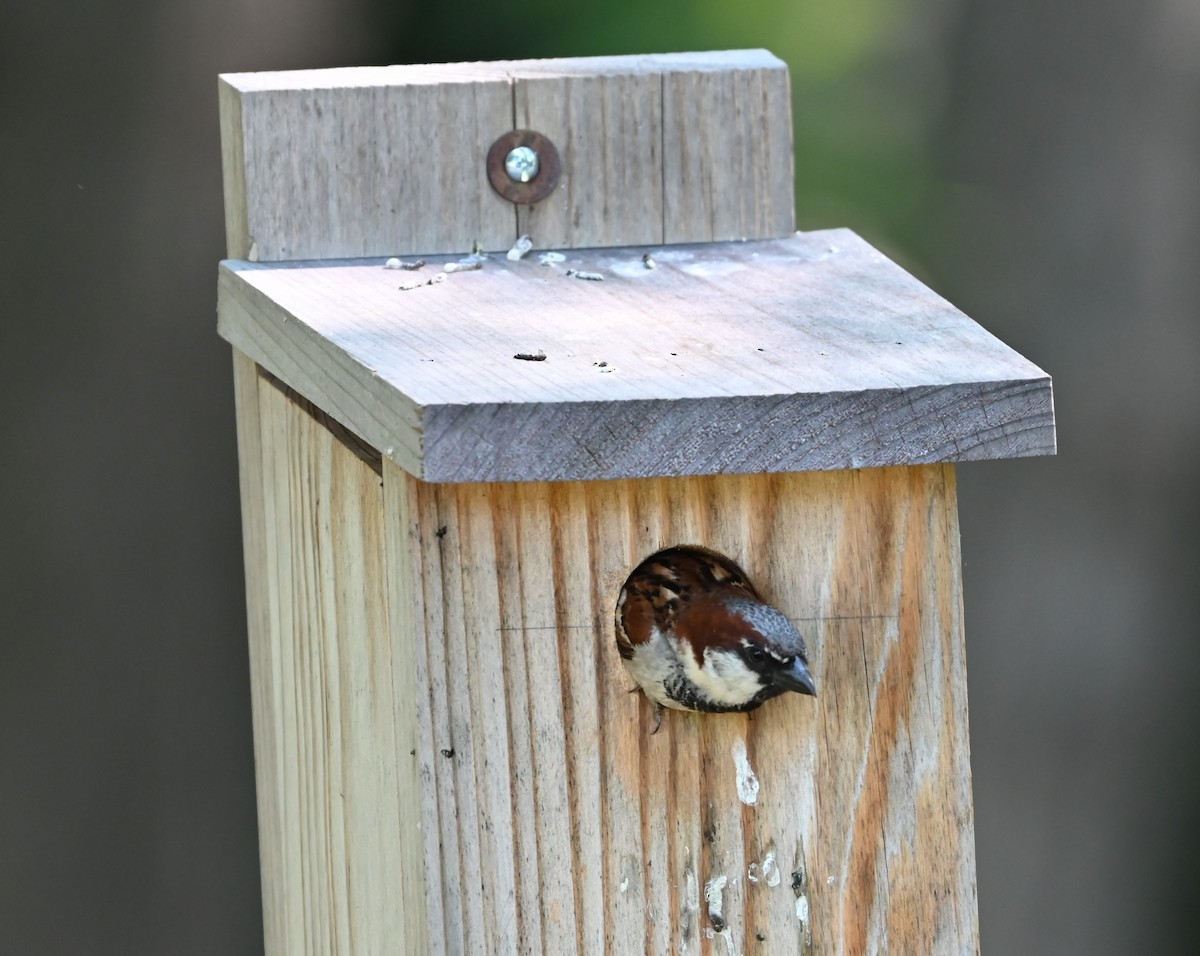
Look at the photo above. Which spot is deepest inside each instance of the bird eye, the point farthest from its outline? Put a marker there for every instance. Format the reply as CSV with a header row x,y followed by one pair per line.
x,y
755,654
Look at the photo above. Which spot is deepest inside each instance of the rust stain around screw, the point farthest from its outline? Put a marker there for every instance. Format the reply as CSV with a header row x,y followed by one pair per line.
x,y
543,182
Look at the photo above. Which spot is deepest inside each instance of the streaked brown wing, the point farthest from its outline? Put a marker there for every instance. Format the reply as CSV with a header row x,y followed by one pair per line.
x,y
656,589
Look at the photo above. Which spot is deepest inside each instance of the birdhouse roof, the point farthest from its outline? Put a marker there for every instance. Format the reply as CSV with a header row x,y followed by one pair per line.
x,y
808,352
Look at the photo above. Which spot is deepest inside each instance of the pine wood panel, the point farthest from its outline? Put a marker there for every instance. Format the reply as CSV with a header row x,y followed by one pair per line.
x,y
449,758
811,352
588,835
334,726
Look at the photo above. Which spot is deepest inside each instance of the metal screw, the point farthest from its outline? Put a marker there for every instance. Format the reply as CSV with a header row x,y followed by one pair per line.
x,y
521,164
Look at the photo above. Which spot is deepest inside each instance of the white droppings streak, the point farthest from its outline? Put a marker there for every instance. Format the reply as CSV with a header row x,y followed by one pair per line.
x,y
714,896
747,780
713,267
725,934
624,884
520,247
802,908
752,873
770,870
691,901
635,269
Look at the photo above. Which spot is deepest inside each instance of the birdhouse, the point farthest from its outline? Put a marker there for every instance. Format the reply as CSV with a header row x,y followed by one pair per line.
x,y
457,443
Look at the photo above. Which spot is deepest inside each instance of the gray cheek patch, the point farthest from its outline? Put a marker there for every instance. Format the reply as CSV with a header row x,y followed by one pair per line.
x,y
772,624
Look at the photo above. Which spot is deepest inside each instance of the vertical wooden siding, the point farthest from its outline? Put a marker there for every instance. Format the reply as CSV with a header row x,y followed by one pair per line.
x,y
450,760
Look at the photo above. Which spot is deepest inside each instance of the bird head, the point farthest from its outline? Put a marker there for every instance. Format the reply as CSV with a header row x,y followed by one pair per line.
x,y
695,635
738,651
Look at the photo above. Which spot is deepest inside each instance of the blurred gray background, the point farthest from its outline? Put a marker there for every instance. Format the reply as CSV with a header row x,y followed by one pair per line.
x,y
1036,161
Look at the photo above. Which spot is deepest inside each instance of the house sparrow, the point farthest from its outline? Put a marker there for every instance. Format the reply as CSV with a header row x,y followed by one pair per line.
x,y
695,635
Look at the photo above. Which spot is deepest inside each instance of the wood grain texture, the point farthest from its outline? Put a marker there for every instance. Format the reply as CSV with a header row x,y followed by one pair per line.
x,y
718,186
332,380
238,242
811,352
608,129
585,833
380,161
335,720
449,758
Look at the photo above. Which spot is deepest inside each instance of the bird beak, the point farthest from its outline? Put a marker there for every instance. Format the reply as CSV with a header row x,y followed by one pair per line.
x,y
797,678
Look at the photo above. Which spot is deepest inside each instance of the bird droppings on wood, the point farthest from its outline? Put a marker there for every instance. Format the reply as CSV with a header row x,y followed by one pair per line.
x,y
634,267
432,280
448,752
747,780
551,258
538,356
714,896
760,936
441,531
799,887
586,276
770,870
520,248
464,265
689,906
408,265
712,268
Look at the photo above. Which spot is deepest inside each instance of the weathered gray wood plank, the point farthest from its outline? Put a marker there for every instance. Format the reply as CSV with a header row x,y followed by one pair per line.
x,y
608,130
727,168
813,352
379,161
362,163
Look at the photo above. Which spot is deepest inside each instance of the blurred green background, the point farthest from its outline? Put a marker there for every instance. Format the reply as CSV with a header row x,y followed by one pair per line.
x,y
1036,161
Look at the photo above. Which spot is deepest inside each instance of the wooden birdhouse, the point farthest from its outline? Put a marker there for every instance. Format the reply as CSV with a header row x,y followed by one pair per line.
x,y
452,461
